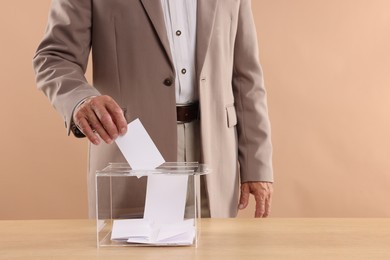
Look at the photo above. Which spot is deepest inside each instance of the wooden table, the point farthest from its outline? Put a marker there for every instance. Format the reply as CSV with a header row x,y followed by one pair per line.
x,y
220,239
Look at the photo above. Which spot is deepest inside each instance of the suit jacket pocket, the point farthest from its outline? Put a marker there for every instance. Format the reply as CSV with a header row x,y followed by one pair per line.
x,y
231,116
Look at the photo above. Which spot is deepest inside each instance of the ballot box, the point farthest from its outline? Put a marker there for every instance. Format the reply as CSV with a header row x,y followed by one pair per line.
x,y
158,207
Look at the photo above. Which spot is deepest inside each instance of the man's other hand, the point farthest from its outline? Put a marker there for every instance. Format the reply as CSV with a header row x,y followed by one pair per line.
x,y
263,197
100,116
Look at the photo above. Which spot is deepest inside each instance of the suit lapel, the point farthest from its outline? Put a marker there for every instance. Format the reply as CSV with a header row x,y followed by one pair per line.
x,y
205,22
154,10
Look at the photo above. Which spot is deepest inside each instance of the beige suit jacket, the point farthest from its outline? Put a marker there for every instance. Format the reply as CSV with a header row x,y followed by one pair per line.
x,y
131,63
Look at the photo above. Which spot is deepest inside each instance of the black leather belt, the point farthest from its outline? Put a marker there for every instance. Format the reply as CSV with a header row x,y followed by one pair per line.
x,y
187,112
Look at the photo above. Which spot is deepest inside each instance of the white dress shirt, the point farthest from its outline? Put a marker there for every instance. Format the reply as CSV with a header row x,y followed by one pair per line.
x,y
180,22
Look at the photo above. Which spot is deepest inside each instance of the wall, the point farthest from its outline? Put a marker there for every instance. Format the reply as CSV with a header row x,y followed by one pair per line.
x,y
326,66
43,170
327,71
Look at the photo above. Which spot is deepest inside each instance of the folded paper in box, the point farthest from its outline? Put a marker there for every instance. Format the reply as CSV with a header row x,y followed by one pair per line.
x,y
142,231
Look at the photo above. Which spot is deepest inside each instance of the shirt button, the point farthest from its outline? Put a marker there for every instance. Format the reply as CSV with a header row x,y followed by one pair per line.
x,y
168,82
178,32
183,71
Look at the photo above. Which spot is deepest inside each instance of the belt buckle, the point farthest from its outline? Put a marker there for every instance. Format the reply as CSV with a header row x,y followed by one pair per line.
x,y
183,115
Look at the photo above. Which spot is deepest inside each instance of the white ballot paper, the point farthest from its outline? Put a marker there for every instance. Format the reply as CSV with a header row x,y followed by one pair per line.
x,y
138,148
141,231
163,221
165,198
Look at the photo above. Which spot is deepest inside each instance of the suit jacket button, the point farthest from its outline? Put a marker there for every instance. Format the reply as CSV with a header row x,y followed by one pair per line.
x,y
168,82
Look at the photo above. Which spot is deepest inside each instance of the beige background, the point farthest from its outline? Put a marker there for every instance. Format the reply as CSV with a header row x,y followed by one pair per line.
x,y
327,72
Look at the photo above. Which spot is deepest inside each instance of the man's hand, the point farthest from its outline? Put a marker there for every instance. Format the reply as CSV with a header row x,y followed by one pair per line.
x,y
100,116
263,196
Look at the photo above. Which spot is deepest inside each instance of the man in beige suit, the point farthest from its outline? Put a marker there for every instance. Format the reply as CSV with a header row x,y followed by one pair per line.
x,y
183,67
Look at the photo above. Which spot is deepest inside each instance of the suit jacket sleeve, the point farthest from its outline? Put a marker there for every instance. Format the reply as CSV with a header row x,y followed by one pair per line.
x,y
62,57
253,128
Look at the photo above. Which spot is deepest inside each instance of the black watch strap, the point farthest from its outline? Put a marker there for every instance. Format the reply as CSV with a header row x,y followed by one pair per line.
x,y
76,131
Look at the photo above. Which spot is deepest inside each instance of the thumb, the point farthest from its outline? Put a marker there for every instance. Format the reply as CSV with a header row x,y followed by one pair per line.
x,y
244,196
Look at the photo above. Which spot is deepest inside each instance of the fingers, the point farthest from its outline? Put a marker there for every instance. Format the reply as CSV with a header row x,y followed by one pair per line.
x,y
117,117
84,127
268,204
102,123
262,192
244,197
100,116
263,195
260,205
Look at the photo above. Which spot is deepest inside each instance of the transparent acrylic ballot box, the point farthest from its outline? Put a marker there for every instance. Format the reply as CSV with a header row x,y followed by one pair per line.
x,y
158,207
